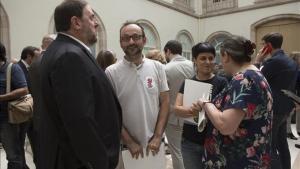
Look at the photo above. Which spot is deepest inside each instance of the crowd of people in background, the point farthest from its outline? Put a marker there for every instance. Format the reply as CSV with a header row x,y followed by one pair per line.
x,y
88,109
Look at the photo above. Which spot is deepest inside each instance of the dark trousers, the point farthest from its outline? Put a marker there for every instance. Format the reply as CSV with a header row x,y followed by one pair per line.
x,y
22,135
10,139
281,158
31,134
27,128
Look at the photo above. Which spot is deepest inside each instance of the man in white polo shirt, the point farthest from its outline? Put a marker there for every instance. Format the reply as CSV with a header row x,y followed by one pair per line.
x,y
142,89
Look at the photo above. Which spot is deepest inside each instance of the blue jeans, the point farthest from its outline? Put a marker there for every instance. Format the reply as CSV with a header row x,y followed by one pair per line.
x,y
191,154
10,139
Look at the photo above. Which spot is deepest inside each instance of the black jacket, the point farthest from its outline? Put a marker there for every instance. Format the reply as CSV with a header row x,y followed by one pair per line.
x,y
281,73
80,117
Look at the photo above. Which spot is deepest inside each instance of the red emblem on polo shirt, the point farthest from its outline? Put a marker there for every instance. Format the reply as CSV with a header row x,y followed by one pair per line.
x,y
150,82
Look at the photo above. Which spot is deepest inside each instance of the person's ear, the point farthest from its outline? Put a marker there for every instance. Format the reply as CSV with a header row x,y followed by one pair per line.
x,y
75,23
144,39
226,57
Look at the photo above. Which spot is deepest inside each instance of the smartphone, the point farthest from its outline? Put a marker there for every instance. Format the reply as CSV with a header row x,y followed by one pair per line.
x,y
267,49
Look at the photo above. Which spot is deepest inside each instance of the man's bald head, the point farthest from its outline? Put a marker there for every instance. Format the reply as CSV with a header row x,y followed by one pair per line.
x,y
47,40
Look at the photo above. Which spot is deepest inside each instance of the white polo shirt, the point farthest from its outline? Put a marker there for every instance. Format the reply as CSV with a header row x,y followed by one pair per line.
x,y
138,89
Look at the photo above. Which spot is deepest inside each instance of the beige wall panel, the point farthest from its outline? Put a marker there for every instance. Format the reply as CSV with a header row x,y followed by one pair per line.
x,y
290,29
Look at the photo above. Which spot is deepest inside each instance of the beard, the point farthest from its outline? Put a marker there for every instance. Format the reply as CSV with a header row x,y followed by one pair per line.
x,y
91,37
133,51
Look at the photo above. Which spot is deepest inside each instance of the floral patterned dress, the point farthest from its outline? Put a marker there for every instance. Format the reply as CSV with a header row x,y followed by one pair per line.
x,y
250,146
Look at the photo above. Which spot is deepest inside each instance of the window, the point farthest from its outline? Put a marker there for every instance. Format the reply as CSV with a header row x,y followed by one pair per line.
x,y
216,40
187,43
216,5
101,43
153,41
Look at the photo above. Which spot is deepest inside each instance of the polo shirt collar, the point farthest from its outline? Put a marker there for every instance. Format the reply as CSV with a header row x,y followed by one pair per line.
x,y
131,64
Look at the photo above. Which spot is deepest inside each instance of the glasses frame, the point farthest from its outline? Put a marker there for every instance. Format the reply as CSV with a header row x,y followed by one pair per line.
x,y
134,37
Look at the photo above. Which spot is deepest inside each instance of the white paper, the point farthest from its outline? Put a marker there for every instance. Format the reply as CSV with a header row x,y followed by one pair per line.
x,y
148,162
193,91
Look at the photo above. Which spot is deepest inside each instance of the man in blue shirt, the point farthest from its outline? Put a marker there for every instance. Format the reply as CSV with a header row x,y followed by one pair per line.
x,y
9,133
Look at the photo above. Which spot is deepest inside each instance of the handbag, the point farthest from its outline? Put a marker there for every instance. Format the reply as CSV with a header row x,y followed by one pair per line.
x,y
21,109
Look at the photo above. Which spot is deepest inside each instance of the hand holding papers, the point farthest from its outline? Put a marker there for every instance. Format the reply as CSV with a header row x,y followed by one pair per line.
x,y
194,90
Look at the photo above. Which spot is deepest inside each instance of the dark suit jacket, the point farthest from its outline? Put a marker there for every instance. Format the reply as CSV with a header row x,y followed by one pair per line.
x,y
35,86
281,73
80,113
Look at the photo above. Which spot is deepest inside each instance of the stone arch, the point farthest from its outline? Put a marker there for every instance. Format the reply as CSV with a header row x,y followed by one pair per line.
x,y
187,41
148,25
4,30
216,40
216,34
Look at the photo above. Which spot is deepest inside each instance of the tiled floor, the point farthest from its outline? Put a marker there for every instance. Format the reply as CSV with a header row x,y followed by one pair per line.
x,y
295,157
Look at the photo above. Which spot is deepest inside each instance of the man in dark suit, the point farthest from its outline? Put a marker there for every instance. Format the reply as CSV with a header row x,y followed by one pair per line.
x,y
80,117
281,73
28,54
34,76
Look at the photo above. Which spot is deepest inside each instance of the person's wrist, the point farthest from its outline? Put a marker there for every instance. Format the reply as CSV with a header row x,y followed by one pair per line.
x,y
258,59
204,103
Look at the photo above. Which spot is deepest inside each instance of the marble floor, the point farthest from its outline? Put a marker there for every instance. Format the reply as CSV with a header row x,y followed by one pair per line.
x,y
295,157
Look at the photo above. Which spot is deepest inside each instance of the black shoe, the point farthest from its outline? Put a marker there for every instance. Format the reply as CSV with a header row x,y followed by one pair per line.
x,y
291,136
297,145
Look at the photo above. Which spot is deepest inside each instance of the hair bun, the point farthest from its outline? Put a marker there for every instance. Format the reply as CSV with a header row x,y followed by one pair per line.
x,y
249,47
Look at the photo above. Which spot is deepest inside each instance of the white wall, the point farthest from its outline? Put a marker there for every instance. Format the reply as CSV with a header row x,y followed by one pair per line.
x,y
240,23
242,3
29,20
167,21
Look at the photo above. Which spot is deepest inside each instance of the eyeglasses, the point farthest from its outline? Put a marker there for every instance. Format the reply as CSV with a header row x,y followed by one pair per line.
x,y
134,37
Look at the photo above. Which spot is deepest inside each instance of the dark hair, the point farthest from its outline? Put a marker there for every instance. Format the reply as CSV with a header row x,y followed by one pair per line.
x,y
239,48
105,58
134,23
2,52
65,11
203,48
174,46
29,50
274,38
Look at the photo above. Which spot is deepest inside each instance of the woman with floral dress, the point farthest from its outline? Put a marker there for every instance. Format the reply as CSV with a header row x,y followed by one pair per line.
x,y
239,127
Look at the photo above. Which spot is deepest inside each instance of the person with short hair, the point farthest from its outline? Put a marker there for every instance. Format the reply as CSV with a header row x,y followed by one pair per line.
x,y
80,117
281,73
28,54
46,41
10,133
192,142
177,70
142,89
